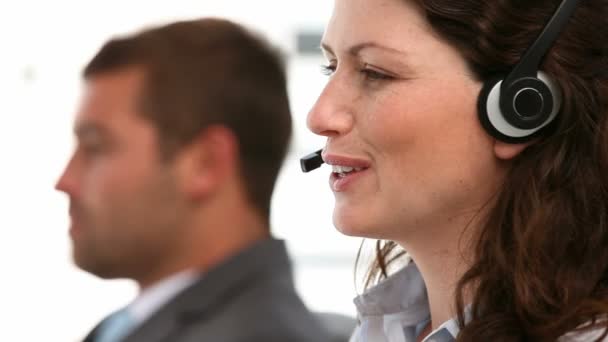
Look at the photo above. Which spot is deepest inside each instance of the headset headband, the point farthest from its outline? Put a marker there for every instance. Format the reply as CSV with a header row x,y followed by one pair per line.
x,y
530,63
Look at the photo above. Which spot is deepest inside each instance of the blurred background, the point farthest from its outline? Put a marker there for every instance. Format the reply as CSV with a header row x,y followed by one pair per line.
x,y
44,46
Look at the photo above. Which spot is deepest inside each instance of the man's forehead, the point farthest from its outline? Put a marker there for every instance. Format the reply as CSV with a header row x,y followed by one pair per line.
x,y
95,112
116,86
127,75
109,96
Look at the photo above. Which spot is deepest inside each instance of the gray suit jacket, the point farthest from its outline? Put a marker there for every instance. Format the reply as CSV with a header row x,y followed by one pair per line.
x,y
249,298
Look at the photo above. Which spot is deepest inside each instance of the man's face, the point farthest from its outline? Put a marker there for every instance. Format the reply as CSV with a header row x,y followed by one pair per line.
x,y
124,200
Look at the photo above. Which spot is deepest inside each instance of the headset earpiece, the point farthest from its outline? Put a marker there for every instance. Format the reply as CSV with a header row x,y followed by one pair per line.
x,y
525,114
527,103
515,108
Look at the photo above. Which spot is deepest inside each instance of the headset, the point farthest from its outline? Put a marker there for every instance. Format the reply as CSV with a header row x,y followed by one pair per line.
x,y
516,107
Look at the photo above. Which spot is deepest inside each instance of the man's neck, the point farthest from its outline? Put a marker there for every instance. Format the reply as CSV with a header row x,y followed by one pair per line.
x,y
209,240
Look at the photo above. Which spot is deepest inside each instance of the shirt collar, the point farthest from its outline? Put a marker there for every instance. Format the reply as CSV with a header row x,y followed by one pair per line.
x,y
155,296
397,309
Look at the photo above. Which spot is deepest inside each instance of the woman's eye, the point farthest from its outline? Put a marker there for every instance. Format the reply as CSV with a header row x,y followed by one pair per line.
x,y
375,75
368,73
328,70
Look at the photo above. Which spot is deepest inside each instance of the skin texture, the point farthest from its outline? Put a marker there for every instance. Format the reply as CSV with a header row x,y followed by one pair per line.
x,y
401,103
136,214
124,204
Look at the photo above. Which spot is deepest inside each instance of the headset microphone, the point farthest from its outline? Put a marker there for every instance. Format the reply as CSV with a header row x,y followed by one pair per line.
x,y
312,161
514,108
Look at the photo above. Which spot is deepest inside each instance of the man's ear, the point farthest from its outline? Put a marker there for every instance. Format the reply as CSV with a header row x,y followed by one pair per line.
x,y
208,161
506,151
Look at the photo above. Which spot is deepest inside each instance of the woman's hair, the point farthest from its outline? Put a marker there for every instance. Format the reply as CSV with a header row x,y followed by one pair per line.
x,y
540,265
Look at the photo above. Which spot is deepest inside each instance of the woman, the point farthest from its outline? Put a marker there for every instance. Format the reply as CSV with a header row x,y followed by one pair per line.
x,y
506,232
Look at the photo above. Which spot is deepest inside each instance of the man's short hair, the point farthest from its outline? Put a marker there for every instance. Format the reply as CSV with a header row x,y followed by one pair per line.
x,y
211,71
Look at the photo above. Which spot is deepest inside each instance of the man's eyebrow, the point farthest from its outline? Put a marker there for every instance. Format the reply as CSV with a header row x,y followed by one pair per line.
x,y
357,48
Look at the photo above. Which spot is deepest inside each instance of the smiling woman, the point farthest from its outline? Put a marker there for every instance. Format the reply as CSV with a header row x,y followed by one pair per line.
x,y
495,186
386,98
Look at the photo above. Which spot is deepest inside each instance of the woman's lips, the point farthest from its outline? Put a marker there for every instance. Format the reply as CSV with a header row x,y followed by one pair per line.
x,y
340,182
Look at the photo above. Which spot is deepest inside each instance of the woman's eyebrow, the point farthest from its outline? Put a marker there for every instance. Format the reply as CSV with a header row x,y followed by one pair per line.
x,y
356,49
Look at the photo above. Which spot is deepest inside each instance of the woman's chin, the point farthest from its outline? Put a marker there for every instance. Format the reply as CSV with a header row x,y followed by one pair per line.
x,y
351,226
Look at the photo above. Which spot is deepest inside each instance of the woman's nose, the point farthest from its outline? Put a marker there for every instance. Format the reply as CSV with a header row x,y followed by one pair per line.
x,y
332,114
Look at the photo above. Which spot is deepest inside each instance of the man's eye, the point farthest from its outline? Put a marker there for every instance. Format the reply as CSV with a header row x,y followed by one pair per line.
x,y
91,149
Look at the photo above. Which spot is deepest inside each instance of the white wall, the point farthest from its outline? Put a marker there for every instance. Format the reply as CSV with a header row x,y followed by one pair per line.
x,y
43,46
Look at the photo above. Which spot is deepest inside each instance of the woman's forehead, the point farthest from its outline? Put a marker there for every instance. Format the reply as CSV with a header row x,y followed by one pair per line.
x,y
393,24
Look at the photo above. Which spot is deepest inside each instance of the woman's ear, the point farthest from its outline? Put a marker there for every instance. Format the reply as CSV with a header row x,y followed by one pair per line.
x,y
506,151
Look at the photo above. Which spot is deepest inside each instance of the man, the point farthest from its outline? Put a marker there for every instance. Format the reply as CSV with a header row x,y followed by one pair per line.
x,y
181,134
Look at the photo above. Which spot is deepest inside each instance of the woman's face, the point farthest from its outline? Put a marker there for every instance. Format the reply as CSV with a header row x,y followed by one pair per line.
x,y
399,110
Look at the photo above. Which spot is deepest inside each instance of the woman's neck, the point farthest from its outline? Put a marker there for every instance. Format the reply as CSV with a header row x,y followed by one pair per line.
x,y
442,255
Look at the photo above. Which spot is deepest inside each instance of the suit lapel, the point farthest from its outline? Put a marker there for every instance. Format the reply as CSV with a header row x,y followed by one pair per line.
x,y
212,291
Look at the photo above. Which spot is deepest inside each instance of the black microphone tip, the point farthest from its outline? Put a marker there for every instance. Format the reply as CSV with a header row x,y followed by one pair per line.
x,y
311,161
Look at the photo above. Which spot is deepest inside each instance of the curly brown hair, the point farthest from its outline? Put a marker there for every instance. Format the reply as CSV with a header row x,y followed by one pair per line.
x,y
540,264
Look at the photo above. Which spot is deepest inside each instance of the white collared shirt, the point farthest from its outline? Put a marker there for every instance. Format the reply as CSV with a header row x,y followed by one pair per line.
x,y
397,310
154,297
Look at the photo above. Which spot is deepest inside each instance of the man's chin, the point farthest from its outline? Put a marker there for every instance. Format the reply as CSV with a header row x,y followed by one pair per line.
x,y
96,267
